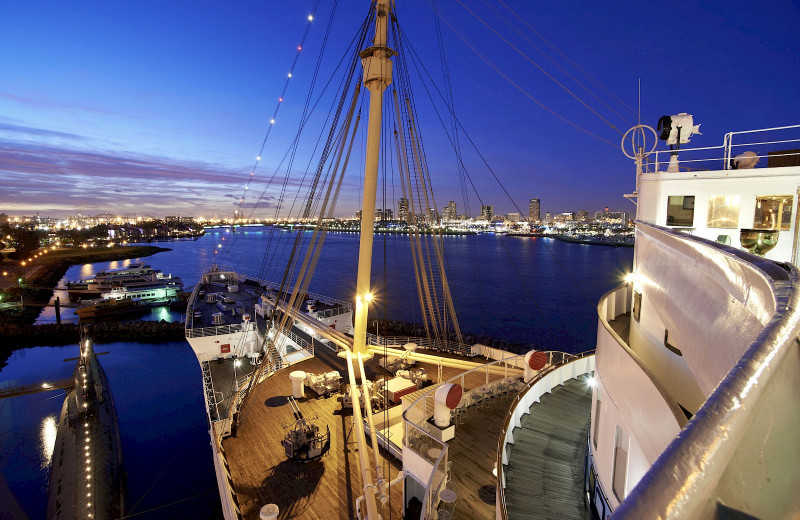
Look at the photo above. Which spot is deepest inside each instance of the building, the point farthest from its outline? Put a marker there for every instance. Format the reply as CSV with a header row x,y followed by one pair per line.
x,y
450,212
534,211
487,212
583,215
513,217
384,214
402,210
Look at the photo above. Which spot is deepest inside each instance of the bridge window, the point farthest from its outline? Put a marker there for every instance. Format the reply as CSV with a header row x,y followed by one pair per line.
x,y
773,212
723,211
637,305
680,210
620,471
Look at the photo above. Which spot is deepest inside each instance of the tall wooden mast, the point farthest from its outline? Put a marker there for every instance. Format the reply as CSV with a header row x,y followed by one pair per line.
x,y
377,64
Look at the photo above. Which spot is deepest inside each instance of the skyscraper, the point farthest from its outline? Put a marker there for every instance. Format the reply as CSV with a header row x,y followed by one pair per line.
x,y
402,209
450,212
486,212
534,214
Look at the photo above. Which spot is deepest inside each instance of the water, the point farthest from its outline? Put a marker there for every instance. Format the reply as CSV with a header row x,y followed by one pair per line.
x,y
535,291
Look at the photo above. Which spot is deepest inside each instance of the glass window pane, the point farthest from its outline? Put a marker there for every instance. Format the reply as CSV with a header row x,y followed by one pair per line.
x,y
773,212
680,210
723,211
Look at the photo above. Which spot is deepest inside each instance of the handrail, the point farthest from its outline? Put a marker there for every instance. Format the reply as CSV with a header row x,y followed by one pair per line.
x,y
670,401
429,343
673,487
507,422
727,147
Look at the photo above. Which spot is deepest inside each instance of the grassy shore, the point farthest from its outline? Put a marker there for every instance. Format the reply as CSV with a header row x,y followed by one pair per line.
x,y
44,271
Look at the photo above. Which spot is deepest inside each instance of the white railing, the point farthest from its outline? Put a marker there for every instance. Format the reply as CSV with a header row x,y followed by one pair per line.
x,y
213,331
497,378
432,344
727,151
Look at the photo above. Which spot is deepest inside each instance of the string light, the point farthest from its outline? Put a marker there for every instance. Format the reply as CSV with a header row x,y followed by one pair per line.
x,y
310,18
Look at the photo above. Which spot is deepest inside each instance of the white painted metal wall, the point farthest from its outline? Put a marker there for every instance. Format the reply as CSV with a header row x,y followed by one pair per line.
x,y
655,188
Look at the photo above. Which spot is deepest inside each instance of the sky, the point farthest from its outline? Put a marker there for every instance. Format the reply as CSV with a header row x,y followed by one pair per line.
x,y
161,108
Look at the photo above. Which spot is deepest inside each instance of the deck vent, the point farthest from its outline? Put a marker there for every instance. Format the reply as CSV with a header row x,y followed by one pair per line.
x,y
211,297
216,318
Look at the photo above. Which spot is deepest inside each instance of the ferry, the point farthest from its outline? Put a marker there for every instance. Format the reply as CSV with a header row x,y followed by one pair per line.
x,y
135,275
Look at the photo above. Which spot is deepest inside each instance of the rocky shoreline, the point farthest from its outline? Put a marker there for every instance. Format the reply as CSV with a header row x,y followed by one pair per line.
x,y
18,336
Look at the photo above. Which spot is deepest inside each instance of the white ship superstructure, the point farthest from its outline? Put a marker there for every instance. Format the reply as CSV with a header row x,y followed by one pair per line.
x,y
695,402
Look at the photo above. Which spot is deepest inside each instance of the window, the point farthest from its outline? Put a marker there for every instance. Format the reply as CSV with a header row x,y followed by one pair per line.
x,y
596,431
680,210
637,305
773,212
672,348
620,471
723,211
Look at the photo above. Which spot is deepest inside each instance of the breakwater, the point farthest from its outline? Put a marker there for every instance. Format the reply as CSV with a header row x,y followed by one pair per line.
x,y
19,335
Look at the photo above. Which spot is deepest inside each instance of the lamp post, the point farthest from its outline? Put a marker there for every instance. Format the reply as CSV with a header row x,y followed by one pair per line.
x,y
377,332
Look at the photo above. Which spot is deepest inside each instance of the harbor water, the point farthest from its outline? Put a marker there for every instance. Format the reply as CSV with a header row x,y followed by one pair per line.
x,y
534,291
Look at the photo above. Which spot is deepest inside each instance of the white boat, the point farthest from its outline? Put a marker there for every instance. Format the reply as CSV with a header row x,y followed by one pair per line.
x,y
133,276
151,292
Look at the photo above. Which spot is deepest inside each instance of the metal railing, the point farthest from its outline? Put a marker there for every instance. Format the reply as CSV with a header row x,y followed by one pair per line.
x,y
213,331
726,152
502,439
499,376
428,343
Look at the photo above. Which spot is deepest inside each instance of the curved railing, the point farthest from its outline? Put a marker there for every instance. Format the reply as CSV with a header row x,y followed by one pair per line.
x,y
541,376
740,447
417,439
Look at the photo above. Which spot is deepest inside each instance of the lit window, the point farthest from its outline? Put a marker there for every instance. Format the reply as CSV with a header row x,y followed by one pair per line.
x,y
723,211
773,212
620,471
680,210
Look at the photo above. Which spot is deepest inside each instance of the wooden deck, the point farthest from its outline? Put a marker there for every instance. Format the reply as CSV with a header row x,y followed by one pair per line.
x,y
544,477
323,489
473,452
327,489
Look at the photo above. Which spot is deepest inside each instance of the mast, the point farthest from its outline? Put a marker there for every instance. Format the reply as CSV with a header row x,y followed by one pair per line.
x,y
377,64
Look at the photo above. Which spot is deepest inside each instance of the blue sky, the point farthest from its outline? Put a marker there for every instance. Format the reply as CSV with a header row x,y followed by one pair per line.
x,y
161,108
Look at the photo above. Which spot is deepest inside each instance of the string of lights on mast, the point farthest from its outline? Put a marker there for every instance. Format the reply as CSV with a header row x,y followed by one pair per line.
x,y
272,120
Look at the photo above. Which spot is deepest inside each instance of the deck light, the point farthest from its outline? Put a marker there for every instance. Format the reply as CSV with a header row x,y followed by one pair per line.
x,y
592,382
630,277
310,18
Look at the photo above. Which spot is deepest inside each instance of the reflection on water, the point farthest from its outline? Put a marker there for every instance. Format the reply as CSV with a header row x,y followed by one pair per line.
x,y
47,436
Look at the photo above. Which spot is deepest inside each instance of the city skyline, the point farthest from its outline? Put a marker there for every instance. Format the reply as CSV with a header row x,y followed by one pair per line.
x,y
108,106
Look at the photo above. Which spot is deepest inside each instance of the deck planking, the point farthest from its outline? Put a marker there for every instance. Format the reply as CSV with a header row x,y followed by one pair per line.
x,y
544,477
328,488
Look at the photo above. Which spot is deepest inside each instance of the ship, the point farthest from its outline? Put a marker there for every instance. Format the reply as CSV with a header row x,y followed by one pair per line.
x,y
694,401
685,409
135,276
87,475
101,307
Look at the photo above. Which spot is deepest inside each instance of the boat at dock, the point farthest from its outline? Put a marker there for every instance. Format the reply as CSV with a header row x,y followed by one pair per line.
x,y
87,476
133,277
101,307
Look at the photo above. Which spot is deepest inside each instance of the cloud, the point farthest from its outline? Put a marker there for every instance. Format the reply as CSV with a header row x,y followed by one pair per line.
x,y
63,180
38,132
